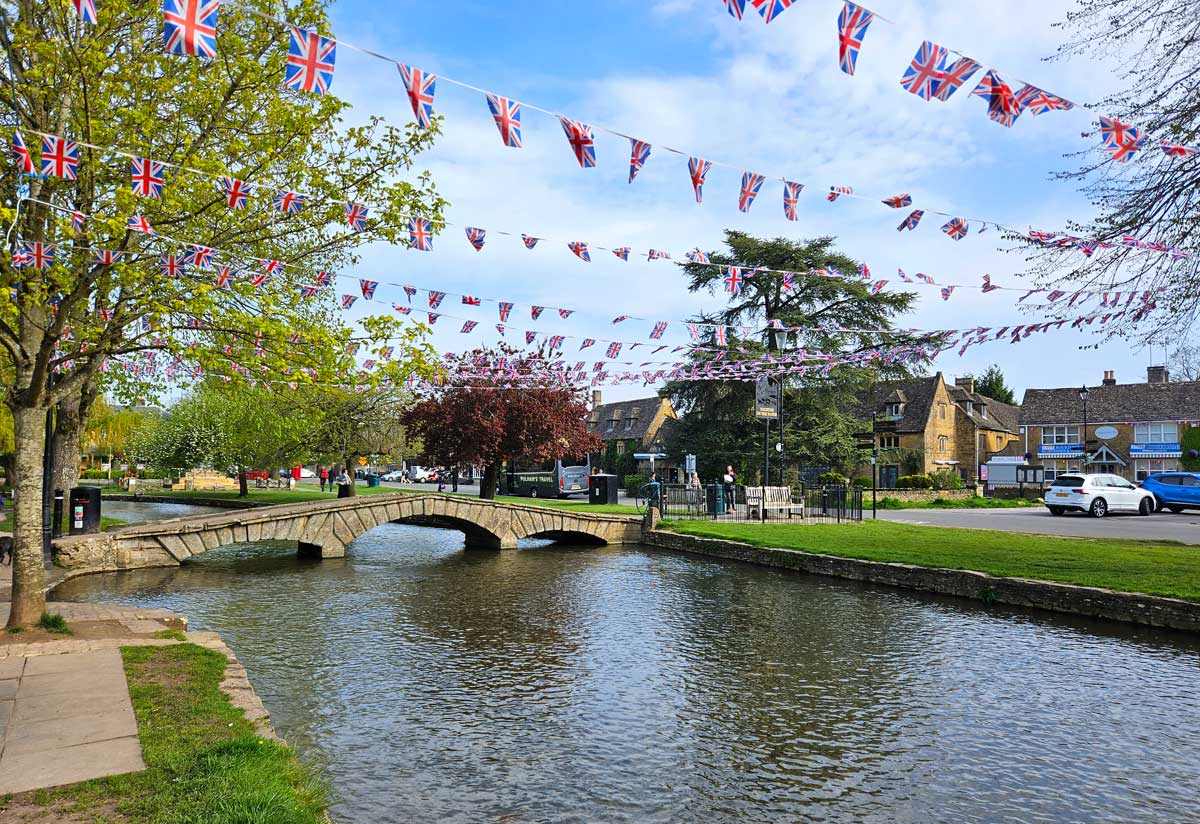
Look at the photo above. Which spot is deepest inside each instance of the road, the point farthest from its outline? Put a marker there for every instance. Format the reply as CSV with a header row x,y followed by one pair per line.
x,y
1162,526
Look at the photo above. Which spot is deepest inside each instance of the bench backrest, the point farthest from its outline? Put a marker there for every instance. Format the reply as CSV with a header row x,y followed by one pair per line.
x,y
781,495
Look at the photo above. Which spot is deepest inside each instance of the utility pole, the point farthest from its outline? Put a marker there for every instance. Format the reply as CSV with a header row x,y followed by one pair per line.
x,y
874,465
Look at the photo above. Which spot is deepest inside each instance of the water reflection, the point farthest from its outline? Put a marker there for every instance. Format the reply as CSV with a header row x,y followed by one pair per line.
x,y
561,684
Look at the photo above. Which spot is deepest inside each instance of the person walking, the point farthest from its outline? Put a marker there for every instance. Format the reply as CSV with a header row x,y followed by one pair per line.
x,y
323,475
343,485
729,483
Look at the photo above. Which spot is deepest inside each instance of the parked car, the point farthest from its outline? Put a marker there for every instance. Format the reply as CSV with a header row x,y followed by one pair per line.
x,y
305,472
418,474
1175,491
394,476
1097,495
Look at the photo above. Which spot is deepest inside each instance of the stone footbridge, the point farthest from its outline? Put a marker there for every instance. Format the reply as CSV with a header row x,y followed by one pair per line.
x,y
323,529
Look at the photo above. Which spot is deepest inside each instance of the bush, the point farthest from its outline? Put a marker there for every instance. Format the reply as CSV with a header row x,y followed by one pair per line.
x,y
831,479
860,482
914,482
946,479
152,475
93,475
889,503
1190,442
633,483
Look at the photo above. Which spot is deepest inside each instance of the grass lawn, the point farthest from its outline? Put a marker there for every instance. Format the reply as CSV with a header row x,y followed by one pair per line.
x,y
885,502
204,761
105,523
1130,566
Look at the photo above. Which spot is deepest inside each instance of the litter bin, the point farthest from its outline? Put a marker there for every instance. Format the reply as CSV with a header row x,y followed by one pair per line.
x,y
372,480
602,489
85,510
714,499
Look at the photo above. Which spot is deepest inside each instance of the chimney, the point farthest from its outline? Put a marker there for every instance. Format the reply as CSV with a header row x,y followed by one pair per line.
x,y
595,399
1157,374
1110,377
967,384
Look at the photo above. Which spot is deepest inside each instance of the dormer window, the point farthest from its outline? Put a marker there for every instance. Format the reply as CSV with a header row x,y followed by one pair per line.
x,y
981,408
895,410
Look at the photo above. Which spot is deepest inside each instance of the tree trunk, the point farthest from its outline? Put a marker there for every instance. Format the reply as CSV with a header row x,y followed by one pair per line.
x,y
489,481
350,474
29,569
243,486
70,421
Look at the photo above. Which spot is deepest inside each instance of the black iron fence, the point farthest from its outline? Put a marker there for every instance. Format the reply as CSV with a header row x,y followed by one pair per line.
x,y
772,504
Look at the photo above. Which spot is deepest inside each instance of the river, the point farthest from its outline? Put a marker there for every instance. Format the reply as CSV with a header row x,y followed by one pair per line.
x,y
565,684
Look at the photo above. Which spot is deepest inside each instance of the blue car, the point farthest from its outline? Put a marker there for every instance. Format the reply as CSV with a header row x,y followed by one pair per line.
x,y
1175,491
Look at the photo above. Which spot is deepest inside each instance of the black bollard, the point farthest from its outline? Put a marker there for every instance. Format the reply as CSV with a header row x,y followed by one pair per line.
x,y
56,524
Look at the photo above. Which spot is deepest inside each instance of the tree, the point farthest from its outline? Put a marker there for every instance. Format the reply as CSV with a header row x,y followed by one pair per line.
x,y
1184,362
346,423
480,421
991,385
113,85
1154,197
716,416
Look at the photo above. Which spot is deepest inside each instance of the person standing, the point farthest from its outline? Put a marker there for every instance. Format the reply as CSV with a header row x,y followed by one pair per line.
x,y
729,484
323,475
343,485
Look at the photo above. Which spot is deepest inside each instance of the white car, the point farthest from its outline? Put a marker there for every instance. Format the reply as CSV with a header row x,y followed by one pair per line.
x,y
1097,495
394,477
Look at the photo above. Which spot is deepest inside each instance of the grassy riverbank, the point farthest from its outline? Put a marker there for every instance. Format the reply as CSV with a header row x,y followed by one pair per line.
x,y
1147,567
204,761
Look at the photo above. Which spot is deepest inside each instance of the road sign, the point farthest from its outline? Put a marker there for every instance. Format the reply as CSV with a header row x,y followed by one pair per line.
x,y
766,400
689,464
362,461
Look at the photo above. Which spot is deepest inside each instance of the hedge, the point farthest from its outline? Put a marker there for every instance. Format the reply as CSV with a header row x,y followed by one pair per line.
x,y
632,483
914,482
946,479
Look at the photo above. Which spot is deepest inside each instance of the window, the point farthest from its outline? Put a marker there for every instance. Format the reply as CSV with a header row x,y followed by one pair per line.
x,y
895,410
943,441
982,410
942,411
1156,433
612,424
1060,435
889,441
628,424
1055,469
1144,469
620,447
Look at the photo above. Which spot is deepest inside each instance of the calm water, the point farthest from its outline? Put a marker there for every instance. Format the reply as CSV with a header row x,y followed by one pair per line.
x,y
139,512
585,685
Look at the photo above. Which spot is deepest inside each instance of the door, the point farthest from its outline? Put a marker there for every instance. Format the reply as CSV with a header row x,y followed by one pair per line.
x,y
1124,491
1189,489
888,476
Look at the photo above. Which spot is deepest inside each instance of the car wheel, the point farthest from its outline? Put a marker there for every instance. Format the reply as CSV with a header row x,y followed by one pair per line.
x,y
1146,506
1099,508
1175,509
1056,510
533,492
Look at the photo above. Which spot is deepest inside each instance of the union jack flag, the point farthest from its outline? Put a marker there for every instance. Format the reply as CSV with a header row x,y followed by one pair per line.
x,y
198,256
639,153
614,350
236,192
751,183
925,71
369,363
924,278
789,280
1002,103
507,114
877,286
530,337
898,201
139,224
147,177
988,286
420,234
171,266
620,319
24,158
735,8
435,299
60,157
1054,295
864,271
770,9
955,75
404,310
105,257
505,311
659,328
86,10
586,343
556,342
697,169
583,142
791,198
476,237
420,86
622,252
837,191
309,291
368,288
1088,247
1177,149
356,216
190,27
733,280
580,249
1036,101
911,221
852,28
289,203
1121,139
310,61
258,280
565,313
719,335
904,277
469,326
956,227
1042,237
469,300
37,255
658,254
535,312
272,267
78,220
348,301
324,278
696,256
947,291
529,242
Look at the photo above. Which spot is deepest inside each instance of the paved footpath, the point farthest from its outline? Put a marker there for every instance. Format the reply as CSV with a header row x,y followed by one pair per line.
x,y
64,719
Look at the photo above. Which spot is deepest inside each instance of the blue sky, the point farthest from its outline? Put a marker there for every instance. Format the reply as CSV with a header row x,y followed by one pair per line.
x,y
765,98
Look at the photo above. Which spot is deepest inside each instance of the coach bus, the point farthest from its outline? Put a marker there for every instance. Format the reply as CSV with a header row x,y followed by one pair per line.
x,y
549,479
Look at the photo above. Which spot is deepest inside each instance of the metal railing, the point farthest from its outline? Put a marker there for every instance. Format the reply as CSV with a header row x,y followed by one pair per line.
x,y
750,504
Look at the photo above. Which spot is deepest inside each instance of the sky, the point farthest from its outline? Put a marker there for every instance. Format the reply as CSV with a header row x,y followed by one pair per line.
x,y
765,98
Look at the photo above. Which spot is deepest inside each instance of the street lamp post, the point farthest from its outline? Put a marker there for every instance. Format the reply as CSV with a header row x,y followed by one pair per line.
x,y
874,464
1083,396
780,336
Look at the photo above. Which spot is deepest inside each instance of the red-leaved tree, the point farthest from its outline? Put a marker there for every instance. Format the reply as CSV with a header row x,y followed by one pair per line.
x,y
492,409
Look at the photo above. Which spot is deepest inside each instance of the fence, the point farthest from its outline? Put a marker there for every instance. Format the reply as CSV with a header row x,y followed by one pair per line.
x,y
773,504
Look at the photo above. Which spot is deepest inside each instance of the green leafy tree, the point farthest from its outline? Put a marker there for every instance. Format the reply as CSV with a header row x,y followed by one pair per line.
x,y
991,385
716,417
112,85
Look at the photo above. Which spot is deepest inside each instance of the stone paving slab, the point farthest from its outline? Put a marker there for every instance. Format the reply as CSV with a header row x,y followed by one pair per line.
x,y
8,689
36,770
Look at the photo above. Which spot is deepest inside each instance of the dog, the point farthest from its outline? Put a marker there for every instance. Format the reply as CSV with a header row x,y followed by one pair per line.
x,y
6,550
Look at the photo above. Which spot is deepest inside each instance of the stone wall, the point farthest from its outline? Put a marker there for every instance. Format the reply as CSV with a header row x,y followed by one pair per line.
x,y
919,494
1089,601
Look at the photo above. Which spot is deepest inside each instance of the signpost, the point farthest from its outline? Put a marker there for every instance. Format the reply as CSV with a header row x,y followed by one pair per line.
x,y
766,409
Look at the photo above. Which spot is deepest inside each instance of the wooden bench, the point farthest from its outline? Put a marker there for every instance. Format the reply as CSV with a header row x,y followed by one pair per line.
x,y
776,497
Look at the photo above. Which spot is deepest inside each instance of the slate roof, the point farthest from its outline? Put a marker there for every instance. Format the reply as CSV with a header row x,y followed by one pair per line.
x,y
641,410
915,393
1122,403
1001,417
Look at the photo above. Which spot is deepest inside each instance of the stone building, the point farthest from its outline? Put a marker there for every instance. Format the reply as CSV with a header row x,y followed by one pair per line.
x,y
1133,429
636,426
925,425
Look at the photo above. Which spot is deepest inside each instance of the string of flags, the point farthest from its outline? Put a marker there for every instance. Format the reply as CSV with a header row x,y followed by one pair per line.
x,y
190,29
